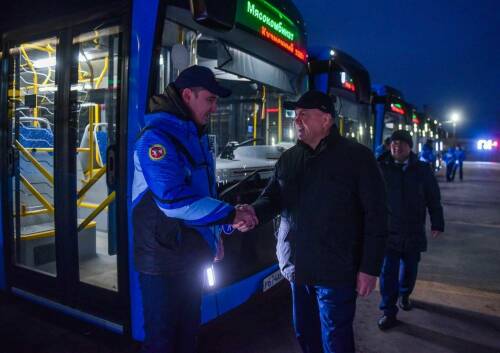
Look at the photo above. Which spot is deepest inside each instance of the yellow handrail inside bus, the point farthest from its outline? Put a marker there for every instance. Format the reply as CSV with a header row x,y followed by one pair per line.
x,y
91,182
90,205
91,142
255,112
25,213
96,212
51,149
263,111
49,72
49,233
103,72
35,193
35,78
33,160
48,49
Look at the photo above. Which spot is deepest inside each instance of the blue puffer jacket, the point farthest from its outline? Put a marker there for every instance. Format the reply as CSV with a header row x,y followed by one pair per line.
x,y
380,150
176,215
460,155
449,157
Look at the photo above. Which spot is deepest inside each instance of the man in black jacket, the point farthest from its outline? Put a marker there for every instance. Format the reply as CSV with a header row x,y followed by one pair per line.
x,y
331,240
411,189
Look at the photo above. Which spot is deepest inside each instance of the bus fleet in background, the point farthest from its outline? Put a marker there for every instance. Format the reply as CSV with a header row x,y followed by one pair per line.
x,y
74,85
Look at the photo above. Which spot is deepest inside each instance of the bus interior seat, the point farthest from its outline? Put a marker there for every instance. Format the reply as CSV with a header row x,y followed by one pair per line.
x,y
101,141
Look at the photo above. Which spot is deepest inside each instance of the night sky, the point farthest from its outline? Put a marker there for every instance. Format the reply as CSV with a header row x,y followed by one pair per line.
x,y
443,53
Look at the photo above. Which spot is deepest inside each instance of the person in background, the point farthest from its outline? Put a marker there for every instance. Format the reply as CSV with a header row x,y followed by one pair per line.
x,y
449,159
383,148
459,162
412,189
427,155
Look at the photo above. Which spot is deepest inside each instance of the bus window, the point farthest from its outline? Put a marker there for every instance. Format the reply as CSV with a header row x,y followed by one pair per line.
x,y
255,109
32,90
96,88
354,120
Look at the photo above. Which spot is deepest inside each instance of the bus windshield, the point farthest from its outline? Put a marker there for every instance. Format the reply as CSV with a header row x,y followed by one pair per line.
x,y
254,111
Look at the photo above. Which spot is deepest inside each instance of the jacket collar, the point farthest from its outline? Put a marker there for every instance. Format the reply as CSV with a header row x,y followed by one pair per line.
x,y
387,159
170,102
328,141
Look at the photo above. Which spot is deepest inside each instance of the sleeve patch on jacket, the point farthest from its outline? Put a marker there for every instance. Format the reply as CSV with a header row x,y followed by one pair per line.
x,y
157,152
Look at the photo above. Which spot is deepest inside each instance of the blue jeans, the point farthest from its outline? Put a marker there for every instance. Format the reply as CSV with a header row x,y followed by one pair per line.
x,y
398,277
322,318
172,310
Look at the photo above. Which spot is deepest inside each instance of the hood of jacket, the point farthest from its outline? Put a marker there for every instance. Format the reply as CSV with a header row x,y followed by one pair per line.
x,y
170,102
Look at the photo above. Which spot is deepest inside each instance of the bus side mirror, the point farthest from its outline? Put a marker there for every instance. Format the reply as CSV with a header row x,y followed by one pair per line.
x,y
211,14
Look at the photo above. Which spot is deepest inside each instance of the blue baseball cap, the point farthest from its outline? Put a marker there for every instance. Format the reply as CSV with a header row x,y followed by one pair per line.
x,y
200,76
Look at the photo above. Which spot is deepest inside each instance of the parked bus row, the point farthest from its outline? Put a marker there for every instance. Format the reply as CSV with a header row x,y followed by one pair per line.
x,y
75,80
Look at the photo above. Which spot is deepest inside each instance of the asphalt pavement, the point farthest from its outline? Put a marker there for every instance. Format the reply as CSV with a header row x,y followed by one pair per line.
x,y
457,297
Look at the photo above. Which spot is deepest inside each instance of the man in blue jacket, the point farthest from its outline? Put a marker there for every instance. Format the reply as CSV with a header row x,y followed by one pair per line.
x,y
450,160
427,155
412,189
383,148
176,216
459,163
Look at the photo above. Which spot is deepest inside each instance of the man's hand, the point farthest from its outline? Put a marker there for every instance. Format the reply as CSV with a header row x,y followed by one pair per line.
x,y
365,284
435,233
245,218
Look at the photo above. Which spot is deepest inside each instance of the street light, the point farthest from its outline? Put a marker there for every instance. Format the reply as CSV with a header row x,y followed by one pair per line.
x,y
455,118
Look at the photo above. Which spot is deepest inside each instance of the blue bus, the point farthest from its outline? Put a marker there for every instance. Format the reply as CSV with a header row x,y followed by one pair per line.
x,y
431,135
338,74
390,113
75,82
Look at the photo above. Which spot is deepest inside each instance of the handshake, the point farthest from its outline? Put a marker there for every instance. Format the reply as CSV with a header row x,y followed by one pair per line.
x,y
245,218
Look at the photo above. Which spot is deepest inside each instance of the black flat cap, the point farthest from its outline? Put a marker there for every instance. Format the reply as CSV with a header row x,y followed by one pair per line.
x,y
402,135
313,100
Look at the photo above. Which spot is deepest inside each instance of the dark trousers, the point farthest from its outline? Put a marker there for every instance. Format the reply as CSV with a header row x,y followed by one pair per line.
x,y
449,171
459,166
397,279
172,312
323,317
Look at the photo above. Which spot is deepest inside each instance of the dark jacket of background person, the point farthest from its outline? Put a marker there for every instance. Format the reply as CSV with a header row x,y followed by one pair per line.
x,y
333,212
410,191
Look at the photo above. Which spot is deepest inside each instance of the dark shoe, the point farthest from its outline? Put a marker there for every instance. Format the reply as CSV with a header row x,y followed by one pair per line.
x,y
405,303
387,322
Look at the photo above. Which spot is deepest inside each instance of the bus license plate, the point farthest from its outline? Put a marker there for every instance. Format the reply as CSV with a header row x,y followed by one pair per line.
x,y
271,280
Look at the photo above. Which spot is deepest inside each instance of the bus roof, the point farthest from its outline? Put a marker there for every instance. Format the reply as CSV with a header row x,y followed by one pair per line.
x,y
321,57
